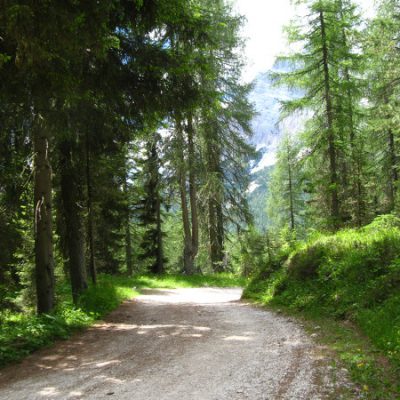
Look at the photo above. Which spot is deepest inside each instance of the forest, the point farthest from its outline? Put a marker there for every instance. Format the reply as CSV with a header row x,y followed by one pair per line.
x,y
125,158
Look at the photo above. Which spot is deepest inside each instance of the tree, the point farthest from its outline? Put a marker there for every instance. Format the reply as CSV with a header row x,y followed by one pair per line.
x,y
381,47
150,212
328,54
286,201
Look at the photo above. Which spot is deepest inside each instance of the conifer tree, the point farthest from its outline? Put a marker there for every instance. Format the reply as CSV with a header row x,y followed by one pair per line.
x,y
150,209
286,200
323,71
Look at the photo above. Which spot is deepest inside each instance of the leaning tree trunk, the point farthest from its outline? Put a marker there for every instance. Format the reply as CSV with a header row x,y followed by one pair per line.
x,y
44,260
72,200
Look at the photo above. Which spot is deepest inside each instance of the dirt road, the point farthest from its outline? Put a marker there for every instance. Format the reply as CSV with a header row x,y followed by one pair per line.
x,y
184,344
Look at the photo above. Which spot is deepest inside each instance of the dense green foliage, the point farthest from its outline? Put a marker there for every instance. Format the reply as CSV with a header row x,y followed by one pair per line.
x,y
115,119
352,275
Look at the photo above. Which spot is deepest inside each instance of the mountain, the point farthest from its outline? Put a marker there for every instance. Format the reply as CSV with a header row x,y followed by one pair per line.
x,y
267,129
267,133
257,196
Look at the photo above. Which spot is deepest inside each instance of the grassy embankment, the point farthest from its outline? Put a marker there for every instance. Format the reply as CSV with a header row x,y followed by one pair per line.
x,y
347,284
22,333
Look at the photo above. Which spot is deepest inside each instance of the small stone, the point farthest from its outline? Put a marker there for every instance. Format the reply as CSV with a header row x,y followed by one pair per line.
x,y
314,335
110,393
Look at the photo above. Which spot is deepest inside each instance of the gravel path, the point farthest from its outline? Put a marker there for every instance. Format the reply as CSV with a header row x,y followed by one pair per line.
x,y
183,344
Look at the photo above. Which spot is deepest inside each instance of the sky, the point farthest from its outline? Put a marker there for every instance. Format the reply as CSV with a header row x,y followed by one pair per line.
x,y
263,30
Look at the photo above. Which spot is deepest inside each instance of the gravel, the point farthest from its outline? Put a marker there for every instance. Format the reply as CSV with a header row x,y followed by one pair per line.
x,y
181,344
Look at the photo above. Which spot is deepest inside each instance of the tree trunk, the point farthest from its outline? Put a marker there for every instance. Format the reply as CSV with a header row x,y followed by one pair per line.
x,y
355,159
220,234
158,267
44,261
188,264
335,205
215,215
160,252
89,206
128,236
71,195
193,189
291,200
394,176
128,247
212,235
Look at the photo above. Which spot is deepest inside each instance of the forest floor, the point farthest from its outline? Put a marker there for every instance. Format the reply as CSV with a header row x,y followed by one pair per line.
x,y
190,344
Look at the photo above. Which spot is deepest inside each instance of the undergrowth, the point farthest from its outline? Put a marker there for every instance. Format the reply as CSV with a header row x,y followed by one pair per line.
x,y
349,280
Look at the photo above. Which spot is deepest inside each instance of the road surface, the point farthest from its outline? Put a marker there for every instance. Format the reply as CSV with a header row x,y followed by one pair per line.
x,y
181,344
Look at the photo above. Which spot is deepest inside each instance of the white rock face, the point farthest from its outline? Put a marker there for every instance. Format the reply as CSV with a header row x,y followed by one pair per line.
x,y
267,128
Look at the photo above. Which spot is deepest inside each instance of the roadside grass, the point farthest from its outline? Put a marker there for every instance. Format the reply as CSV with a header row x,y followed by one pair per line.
x,y
375,377
21,333
188,281
348,283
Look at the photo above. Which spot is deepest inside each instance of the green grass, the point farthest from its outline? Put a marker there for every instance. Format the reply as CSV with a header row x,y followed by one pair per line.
x,y
185,281
22,333
348,283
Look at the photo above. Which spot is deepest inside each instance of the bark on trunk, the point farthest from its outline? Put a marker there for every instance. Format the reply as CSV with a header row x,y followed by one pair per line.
x,y
188,264
160,252
220,235
158,267
193,189
215,215
44,261
394,176
128,236
212,235
89,206
71,195
128,248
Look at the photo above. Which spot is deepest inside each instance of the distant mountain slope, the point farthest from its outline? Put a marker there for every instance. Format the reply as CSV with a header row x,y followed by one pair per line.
x,y
268,131
258,197
266,126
